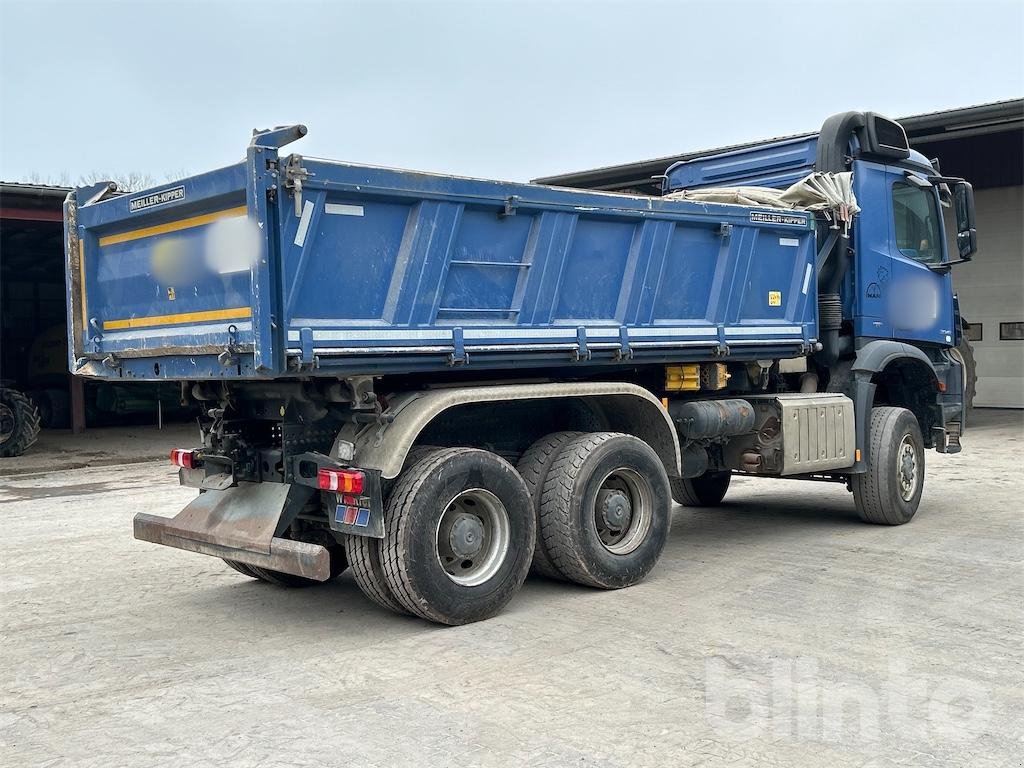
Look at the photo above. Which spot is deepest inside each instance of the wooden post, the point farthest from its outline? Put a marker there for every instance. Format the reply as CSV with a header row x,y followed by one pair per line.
x,y
77,405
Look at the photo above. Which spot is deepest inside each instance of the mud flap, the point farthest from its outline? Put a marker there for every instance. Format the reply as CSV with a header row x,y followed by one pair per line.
x,y
239,524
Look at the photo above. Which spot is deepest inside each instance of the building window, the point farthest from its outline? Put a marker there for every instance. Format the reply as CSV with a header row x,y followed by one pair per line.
x,y
1011,331
975,331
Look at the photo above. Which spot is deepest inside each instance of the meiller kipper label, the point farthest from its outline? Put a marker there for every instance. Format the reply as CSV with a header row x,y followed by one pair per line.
x,y
157,198
791,219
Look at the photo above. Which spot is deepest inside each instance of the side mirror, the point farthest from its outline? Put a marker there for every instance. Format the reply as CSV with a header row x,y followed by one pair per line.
x,y
966,234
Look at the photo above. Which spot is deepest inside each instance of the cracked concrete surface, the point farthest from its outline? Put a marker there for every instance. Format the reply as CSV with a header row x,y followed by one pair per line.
x,y
777,630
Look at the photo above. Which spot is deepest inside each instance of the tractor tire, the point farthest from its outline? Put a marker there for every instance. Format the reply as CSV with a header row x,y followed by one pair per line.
x,y
19,423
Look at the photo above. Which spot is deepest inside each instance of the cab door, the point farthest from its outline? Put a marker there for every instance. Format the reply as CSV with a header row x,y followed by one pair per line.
x,y
919,298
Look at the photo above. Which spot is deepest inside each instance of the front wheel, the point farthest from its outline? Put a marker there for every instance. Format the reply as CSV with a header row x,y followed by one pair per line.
x,y
890,491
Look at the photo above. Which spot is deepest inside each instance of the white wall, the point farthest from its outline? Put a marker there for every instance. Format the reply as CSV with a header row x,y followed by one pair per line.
x,y
991,290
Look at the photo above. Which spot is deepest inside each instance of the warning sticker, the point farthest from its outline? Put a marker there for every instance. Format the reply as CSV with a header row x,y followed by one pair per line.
x,y
774,298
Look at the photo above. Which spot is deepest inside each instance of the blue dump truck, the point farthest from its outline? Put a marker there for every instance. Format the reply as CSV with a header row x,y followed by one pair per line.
x,y
441,383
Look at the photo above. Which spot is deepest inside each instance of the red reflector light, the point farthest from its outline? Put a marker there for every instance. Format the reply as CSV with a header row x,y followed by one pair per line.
x,y
340,480
182,458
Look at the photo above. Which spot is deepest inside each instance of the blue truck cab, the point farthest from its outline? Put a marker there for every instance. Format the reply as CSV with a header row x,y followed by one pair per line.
x,y
444,383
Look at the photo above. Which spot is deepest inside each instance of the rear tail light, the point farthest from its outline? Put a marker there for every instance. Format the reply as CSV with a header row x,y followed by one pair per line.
x,y
182,458
340,480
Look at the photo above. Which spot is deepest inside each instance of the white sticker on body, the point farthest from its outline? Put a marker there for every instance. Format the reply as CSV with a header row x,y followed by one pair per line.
x,y
341,209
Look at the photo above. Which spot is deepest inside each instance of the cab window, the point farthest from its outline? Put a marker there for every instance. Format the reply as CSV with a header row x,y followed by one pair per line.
x,y
916,215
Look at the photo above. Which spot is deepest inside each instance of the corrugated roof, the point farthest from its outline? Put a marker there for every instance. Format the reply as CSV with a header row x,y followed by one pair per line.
x,y
22,187
930,126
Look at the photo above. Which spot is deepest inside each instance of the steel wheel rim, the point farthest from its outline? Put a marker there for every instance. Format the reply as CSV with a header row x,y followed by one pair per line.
x,y
7,422
472,537
906,468
622,534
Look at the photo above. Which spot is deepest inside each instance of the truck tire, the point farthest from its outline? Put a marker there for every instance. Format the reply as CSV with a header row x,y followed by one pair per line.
x,y
890,491
19,423
606,510
533,467
415,453
364,553
459,536
339,563
242,568
367,570
707,490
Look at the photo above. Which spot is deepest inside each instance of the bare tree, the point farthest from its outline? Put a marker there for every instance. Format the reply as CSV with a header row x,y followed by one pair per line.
x,y
132,181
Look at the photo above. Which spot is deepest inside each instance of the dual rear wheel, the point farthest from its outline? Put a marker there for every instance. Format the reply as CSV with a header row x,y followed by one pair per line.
x,y
463,526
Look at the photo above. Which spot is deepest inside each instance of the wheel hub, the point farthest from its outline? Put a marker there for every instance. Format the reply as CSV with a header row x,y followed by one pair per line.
x,y
622,511
906,465
473,535
615,508
467,535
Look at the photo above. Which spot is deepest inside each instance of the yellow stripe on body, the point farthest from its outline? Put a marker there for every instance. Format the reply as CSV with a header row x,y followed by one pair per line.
x,y
238,313
173,226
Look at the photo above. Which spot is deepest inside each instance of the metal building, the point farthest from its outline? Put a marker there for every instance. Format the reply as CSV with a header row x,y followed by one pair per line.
x,y
985,145
33,325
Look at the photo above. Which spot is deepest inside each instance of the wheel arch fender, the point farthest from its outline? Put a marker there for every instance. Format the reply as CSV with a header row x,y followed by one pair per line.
x,y
874,362
876,356
620,407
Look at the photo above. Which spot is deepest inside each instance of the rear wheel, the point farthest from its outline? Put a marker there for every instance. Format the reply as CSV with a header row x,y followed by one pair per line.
x,y
19,423
533,467
364,553
606,510
890,491
459,537
242,568
707,490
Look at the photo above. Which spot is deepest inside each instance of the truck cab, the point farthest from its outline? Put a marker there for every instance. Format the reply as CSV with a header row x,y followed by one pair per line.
x,y
891,271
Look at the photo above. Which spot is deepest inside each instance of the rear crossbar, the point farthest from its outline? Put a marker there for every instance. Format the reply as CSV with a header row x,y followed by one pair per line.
x,y
298,558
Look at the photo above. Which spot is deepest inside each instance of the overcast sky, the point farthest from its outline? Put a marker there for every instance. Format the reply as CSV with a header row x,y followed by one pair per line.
x,y
494,89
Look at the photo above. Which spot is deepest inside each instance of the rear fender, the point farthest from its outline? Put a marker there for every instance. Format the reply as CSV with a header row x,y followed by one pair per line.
x,y
621,407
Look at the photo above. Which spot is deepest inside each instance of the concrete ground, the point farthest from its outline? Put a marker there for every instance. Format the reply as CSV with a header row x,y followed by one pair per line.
x,y
777,630
60,449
